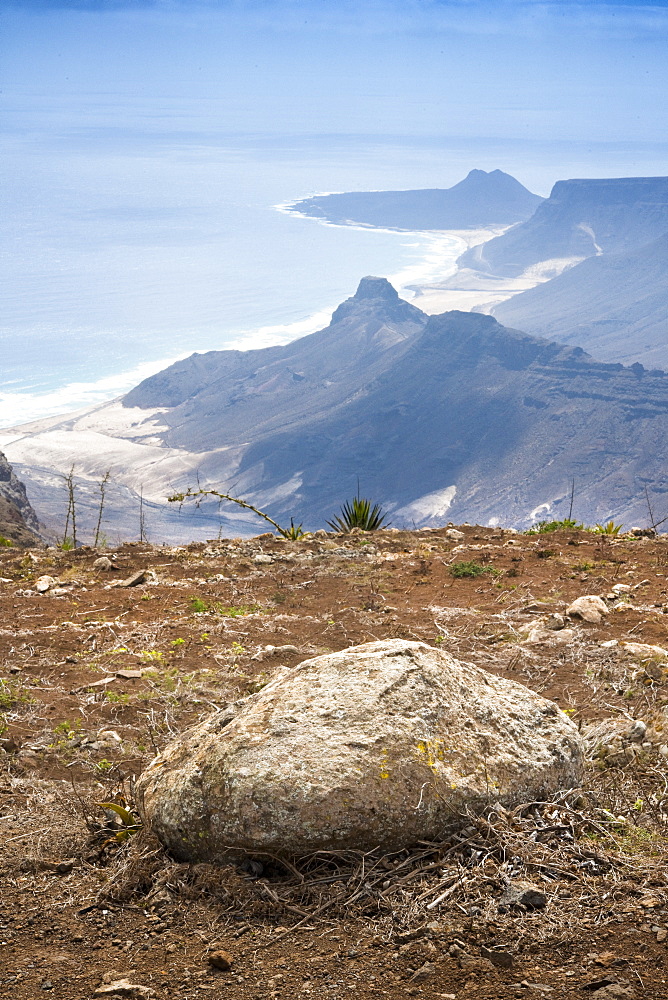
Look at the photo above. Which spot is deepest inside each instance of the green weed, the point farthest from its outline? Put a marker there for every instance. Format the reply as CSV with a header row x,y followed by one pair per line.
x,y
544,527
468,569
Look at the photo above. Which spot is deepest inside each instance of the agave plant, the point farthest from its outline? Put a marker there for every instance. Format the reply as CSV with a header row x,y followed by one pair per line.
x,y
609,528
358,513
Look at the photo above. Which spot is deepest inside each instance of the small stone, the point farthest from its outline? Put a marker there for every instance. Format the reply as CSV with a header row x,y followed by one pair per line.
x,y
502,959
132,581
124,988
44,583
425,972
270,651
221,960
527,896
589,608
637,732
454,535
661,935
65,867
104,564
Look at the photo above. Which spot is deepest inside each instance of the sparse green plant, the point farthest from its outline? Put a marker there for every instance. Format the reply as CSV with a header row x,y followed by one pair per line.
x,y
67,728
544,527
584,567
468,568
295,531
5,542
151,656
609,528
117,697
545,553
236,612
198,605
359,513
130,823
12,694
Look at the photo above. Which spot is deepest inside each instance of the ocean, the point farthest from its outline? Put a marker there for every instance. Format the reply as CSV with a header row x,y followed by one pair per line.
x,y
133,240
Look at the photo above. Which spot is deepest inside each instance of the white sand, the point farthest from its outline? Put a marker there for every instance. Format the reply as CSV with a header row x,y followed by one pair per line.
x,y
471,290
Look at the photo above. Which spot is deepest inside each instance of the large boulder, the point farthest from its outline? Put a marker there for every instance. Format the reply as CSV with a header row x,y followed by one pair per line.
x,y
379,745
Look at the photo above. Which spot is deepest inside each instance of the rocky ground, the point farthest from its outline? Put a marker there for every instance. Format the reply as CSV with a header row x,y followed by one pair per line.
x,y
102,663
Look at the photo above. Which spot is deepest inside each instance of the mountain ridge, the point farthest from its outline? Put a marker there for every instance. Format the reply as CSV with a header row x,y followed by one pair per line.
x,y
451,415
481,199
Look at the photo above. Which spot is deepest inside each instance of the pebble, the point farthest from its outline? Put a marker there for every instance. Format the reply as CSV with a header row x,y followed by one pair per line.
x,y
425,972
221,960
124,988
526,896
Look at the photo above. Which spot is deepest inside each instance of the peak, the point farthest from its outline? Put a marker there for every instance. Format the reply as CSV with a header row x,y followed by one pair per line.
x,y
376,296
376,288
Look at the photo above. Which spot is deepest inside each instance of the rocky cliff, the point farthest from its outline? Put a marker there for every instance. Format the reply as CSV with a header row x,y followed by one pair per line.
x,y
581,218
18,521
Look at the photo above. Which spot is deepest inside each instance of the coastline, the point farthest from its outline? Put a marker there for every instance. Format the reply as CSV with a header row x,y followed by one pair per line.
x,y
430,280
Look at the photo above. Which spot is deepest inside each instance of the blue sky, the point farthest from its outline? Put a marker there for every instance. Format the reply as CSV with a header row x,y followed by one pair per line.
x,y
512,68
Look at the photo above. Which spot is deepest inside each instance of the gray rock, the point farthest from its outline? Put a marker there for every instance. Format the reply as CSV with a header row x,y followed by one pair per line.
x,y
424,973
502,959
589,608
104,563
44,583
378,745
523,895
132,581
124,988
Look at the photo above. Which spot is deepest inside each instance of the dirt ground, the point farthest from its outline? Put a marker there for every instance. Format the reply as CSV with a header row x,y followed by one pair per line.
x,y
100,671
